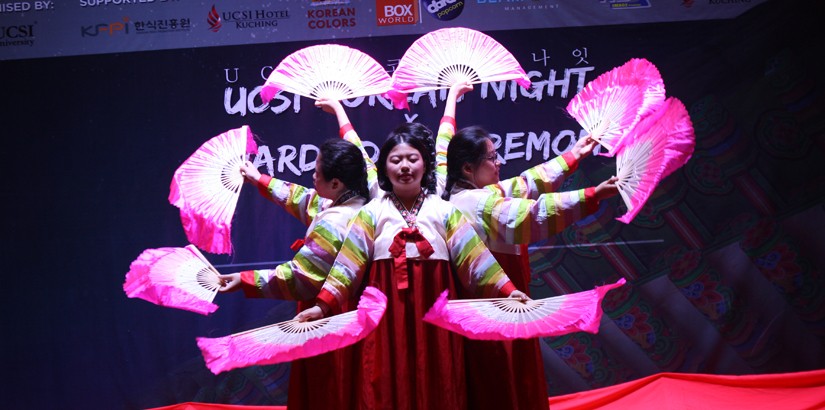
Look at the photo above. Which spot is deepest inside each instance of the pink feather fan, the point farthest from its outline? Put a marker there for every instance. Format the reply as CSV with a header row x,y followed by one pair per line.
x,y
610,106
292,340
448,56
179,278
206,187
661,143
508,319
329,71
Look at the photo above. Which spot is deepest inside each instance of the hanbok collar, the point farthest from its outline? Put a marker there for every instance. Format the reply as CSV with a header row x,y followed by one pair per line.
x,y
409,215
464,184
346,196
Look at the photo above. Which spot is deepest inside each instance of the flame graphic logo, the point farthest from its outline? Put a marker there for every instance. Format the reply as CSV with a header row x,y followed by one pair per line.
x,y
214,20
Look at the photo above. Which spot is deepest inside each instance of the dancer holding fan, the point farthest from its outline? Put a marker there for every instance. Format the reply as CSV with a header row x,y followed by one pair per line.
x,y
340,182
507,220
411,245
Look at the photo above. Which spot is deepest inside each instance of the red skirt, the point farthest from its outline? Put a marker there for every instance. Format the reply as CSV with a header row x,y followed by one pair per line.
x,y
507,375
316,382
406,363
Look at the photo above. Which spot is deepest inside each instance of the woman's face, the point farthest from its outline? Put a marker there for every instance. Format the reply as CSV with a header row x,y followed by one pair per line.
x,y
486,172
405,169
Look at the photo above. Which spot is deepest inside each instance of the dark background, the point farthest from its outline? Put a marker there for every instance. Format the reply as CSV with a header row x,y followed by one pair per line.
x,y
725,265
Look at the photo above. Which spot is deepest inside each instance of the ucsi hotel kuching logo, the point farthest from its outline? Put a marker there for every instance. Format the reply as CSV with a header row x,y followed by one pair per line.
x,y
245,19
396,12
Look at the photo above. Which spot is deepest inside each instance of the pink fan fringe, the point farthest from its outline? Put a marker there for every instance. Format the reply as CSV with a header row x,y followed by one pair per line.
x,y
206,234
671,122
269,91
457,320
137,285
645,90
222,353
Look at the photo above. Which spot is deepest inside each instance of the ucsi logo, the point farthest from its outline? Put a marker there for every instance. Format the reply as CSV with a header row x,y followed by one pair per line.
x,y
15,32
444,9
394,12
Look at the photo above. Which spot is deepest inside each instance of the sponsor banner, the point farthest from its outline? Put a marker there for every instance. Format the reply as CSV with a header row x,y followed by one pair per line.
x,y
45,28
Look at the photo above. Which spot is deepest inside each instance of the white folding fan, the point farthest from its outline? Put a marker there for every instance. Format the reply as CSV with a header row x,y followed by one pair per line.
x,y
292,340
328,71
509,319
206,188
180,278
609,106
657,146
448,56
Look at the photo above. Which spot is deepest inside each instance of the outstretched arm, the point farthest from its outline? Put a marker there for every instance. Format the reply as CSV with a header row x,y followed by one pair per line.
x,y
302,277
476,268
347,132
299,201
446,131
348,270
545,177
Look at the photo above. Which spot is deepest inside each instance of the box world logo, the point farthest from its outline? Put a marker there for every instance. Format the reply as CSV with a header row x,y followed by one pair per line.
x,y
395,12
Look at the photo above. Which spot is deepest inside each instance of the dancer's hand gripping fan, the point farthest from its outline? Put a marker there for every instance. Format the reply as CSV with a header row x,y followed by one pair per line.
x,y
292,340
442,58
509,319
206,188
611,105
327,71
657,146
179,278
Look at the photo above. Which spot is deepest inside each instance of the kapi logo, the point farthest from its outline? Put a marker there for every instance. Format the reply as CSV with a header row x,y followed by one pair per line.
x,y
110,29
396,12
245,19
444,10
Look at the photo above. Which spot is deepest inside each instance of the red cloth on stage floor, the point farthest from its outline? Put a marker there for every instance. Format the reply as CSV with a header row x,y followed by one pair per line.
x,y
786,391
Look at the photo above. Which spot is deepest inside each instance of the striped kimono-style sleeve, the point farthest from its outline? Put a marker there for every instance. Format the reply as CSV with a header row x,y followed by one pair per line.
x,y
476,268
526,221
303,276
348,133
446,131
350,265
543,178
299,201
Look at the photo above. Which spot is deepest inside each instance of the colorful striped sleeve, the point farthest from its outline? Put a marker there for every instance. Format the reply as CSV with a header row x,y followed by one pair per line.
x,y
446,131
302,277
351,263
299,201
348,133
543,178
474,264
527,221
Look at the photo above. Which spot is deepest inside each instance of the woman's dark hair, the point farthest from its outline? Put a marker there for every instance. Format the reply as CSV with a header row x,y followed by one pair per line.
x,y
468,146
343,160
417,136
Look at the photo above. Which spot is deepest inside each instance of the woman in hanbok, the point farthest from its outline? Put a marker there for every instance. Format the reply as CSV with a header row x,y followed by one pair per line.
x,y
507,219
340,190
411,245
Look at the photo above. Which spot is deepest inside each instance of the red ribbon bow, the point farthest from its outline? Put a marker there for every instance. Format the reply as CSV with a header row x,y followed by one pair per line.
x,y
398,250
